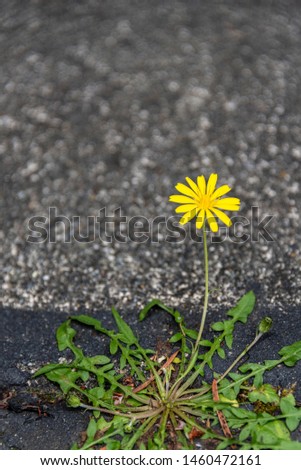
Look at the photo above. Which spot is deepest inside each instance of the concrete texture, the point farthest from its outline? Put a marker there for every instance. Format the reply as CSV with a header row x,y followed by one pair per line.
x,y
108,104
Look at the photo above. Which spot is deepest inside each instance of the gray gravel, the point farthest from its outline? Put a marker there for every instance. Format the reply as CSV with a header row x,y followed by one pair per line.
x,y
108,104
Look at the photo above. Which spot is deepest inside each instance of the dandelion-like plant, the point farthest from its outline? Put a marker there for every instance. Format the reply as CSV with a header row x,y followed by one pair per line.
x,y
157,402
202,200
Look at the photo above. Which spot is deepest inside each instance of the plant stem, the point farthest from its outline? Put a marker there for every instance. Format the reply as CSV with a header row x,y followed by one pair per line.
x,y
189,420
193,377
242,354
142,429
206,271
195,350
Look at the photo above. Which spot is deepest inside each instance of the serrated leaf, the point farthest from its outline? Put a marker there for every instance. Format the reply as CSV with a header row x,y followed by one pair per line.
x,y
243,308
64,335
266,394
65,377
237,379
287,406
125,330
241,413
97,392
91,321
291,354
270,433
258,369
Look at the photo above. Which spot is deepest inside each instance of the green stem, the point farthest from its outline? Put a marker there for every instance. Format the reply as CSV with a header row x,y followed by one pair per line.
x,y
241,355
162,428
195,350
142,429
205,307
206,389
149,362
189,420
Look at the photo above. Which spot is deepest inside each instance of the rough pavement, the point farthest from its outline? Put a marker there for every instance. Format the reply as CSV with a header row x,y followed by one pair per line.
x,y
109,105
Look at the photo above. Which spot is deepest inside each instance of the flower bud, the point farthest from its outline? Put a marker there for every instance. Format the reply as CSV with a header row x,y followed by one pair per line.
x,y
73,401
265,325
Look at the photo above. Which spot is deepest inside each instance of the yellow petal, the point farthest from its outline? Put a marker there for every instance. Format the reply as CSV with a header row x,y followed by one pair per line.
x,y
181,199
182,188
200,219
187,217
185,208
222,216
228,203
193,186
221,191
211,220
201,184
228,208
211,183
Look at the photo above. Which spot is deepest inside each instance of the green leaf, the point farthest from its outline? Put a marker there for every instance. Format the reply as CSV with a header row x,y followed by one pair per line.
x,y
122,362
87,320
126,331
206,342
92,428
190,333
240,413
176,337
100,360
65,377
245,432
221,353
48,368
90,321
254,367
65,335
287,406
291,354
243,308
154,303
272,432
266,394
289,445
218,326
113,346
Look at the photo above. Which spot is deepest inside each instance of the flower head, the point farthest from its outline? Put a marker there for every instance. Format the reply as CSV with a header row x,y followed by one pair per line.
x,y
203,201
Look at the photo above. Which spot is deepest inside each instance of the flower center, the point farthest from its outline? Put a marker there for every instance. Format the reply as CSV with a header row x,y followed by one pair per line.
x,y
205,202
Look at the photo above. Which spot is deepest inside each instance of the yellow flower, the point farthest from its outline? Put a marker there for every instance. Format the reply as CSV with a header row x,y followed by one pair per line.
x,y
203,201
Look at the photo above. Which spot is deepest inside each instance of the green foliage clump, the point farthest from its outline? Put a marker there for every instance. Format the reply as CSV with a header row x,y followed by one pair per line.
x,y
144,403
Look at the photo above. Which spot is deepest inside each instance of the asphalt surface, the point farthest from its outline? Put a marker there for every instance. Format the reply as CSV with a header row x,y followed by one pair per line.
x,y
108,104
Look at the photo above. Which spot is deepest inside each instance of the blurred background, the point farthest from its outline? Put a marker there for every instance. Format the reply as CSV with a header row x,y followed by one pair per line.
x,y
110,104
